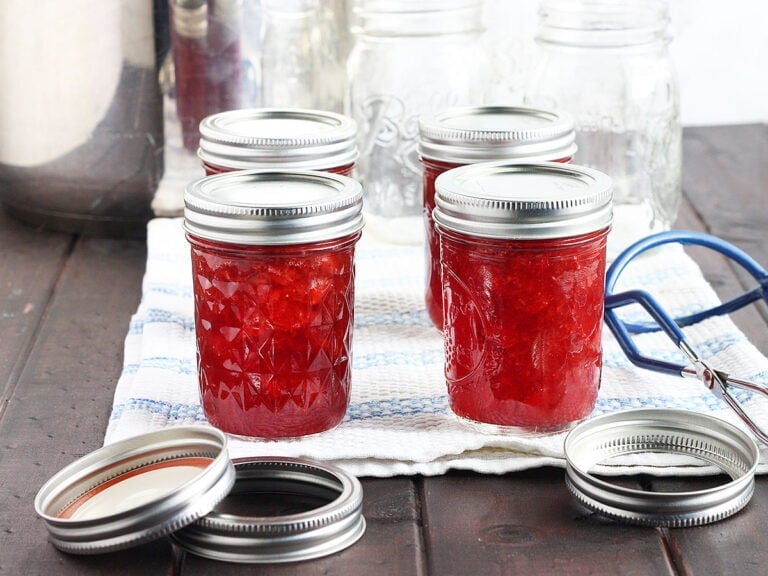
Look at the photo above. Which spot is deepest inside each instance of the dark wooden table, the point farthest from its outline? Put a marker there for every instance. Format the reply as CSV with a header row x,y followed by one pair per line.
x,y
65,304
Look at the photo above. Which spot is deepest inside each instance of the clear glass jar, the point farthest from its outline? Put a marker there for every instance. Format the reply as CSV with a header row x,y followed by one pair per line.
x,y
523,255
207,60
467,135
409,57
607,63
284,138
273,284
304,50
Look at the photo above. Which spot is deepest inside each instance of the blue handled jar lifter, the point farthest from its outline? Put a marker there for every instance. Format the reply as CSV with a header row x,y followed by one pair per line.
x,y
717,381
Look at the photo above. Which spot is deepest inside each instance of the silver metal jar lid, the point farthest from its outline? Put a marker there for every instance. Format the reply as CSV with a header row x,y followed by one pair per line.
x,y
278,138
661,431
273,207
322,514
484,133
523,200
136,490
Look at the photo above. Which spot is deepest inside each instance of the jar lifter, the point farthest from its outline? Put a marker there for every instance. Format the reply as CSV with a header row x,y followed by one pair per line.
x,y
717,381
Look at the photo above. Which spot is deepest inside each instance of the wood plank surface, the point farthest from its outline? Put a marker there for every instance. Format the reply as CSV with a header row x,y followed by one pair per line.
x,y
66,304
725,182
61,402
30,263
527,523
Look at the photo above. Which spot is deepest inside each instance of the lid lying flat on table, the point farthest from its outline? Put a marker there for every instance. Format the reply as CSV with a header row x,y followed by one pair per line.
x,y
280,510
482,133
661,431
136,490
278,137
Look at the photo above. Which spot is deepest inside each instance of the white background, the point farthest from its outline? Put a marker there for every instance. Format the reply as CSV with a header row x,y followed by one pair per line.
x,y
720,50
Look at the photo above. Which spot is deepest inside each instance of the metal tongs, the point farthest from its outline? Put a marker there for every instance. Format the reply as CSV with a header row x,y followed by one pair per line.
x,y
718,382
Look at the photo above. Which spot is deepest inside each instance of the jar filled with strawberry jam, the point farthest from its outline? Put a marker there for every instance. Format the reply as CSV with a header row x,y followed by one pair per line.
x,y
283,138
273,282
523,253
459,136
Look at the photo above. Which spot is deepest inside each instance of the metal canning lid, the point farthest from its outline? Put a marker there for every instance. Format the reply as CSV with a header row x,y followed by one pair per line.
x,y
136,490
484,133
278,138
523,200
667,431
280,510
273,207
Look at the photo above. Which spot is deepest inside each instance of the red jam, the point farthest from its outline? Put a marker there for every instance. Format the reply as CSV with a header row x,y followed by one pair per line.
x,y
274,328
433,283
211,169
523,325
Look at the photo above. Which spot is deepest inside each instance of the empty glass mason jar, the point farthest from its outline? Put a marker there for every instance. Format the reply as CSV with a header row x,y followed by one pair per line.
x,y
409,57
607,63
304,48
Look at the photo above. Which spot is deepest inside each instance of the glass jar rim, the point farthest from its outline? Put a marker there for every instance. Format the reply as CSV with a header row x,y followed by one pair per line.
x,y
602,23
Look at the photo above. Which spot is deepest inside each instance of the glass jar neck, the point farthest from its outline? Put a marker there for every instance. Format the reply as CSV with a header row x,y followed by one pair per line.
x,y
603,23
416,17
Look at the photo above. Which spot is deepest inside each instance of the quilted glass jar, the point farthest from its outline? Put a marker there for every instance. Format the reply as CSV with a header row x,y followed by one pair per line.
x,y
273,282
523,254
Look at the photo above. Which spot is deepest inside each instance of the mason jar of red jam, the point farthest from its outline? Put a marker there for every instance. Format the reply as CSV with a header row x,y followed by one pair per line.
x,y
273,283
523,254
460,136
281,138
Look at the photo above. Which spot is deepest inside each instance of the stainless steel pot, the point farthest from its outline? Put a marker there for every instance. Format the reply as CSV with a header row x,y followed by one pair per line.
x,y
81,124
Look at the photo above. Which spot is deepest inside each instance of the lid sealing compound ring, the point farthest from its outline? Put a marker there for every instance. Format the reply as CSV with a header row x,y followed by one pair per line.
x,y
661,431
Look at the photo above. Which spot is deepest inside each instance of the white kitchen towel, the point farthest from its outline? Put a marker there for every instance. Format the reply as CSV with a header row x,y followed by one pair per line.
x,y
399,421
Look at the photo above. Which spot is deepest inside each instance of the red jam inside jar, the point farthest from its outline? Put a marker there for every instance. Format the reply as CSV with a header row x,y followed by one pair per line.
x,y
460,136
522,315
273,328
523,331
270,138
212,169
274,299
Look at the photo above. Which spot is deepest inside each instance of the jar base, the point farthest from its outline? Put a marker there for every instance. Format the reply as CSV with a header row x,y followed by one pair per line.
x,y
520,431
296,438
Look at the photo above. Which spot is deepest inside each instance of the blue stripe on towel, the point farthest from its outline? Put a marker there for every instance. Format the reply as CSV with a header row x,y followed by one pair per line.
x,y
182,366
415,358
395,318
